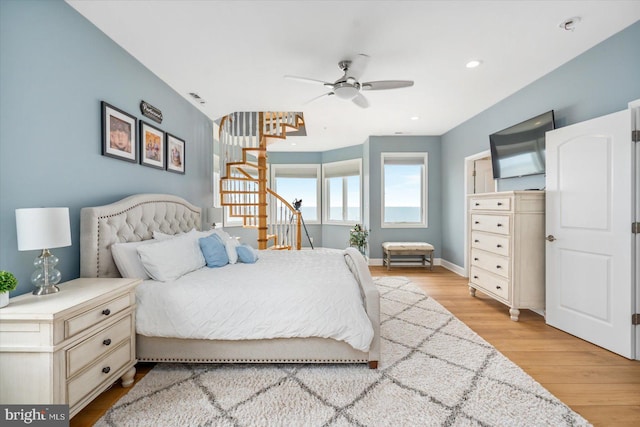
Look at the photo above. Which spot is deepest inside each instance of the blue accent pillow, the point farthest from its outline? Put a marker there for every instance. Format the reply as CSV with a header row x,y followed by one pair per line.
x,y
214,251
247,254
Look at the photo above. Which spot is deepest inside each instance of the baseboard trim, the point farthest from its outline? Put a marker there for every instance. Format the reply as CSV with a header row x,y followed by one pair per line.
x,y
455,268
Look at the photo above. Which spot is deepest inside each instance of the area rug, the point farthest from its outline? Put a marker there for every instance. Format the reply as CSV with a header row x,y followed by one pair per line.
x,y
434,371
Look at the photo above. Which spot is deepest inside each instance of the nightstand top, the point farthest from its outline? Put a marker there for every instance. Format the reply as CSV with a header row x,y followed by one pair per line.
x,y
72,294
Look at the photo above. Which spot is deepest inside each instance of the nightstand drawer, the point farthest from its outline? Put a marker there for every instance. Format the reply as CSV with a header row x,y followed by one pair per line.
x,y
101,371
95,315
491,223
498,244
494,263
490,204
490,282
95,347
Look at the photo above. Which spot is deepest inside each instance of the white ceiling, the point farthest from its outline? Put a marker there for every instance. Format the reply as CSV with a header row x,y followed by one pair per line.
x,y
234,54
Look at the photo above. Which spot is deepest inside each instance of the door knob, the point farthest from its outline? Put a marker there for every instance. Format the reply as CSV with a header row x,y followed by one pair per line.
x,y
550,238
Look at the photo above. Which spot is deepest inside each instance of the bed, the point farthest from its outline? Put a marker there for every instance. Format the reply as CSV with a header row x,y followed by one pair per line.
x,y
136,218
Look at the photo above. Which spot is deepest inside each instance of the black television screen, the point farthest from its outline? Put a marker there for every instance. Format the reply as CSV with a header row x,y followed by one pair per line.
x,y
519,150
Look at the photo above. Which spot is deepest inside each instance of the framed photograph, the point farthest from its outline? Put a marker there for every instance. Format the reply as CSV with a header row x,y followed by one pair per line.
x,y
118,134
152,150
175,154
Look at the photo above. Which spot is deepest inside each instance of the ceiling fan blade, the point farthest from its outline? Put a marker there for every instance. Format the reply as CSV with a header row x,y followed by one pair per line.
x,y
357,66
386,84
318,97
360,101
308,80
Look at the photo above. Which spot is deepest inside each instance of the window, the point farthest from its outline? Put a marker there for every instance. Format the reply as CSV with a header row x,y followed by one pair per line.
x,y
404,189
300,182
342,191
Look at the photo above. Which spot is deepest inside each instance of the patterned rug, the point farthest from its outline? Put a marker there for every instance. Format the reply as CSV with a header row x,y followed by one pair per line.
x,y
434,371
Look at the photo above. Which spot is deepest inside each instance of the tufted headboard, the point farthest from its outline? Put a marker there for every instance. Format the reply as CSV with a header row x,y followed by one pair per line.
x,y
131,219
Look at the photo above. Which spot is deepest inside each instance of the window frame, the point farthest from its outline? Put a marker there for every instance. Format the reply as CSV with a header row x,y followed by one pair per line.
x,y
424,196
326,207
273,172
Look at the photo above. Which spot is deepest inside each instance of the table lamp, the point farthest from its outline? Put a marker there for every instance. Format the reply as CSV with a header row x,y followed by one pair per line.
x,y
41,229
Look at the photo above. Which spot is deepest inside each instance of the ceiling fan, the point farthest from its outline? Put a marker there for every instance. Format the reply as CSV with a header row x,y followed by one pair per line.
x,y
348,86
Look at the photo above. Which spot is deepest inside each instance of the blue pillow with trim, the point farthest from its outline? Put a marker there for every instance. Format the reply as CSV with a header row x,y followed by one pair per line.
x,y
214,251
247,254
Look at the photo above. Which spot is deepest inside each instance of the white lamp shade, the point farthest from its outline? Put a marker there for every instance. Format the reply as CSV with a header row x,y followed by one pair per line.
x,y
213,215
43,228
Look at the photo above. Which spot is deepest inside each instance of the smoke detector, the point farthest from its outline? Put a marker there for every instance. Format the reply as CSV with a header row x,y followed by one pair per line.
x,y
570,23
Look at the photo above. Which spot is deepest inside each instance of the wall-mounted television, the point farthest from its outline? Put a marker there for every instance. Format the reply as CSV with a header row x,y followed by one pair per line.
x,y
519,150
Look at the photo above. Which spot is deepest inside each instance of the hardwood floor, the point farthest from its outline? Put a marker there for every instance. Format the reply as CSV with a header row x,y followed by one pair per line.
x,y
601,386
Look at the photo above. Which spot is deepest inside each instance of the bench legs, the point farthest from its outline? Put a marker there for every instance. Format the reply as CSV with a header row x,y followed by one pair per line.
x,y
388,253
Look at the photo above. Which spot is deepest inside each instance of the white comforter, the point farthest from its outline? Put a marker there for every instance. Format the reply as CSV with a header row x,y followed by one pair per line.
x,y
284,294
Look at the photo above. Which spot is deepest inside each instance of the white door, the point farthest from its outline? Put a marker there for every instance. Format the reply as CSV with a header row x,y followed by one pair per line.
x,y
483,176
589,204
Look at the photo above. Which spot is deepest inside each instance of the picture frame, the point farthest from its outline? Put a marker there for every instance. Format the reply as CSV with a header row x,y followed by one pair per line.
x,y
152,146
175,154
119,134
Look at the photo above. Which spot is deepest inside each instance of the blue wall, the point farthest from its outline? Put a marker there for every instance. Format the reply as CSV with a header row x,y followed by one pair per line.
x,y
55,68
600,81
431,234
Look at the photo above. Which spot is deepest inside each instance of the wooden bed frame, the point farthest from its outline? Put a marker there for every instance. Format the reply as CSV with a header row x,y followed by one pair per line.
x,y
136,217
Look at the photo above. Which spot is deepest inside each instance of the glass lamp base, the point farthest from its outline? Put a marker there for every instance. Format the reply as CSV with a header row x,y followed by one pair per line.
x,y
46,290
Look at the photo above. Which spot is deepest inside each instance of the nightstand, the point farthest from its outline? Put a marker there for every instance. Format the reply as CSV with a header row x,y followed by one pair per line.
x,y
68,347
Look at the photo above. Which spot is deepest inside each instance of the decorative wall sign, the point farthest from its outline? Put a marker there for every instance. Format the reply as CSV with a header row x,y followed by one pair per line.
x,y
175,154
152,150
118,134
150,111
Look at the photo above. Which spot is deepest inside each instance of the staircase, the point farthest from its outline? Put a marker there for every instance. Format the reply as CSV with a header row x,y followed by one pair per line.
x,y
244,137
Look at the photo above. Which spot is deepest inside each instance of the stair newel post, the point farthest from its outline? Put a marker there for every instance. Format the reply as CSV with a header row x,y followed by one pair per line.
x,y
262,188
298,233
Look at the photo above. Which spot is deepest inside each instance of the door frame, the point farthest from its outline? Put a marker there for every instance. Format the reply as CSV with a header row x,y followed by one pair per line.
x,y
468,184
634,110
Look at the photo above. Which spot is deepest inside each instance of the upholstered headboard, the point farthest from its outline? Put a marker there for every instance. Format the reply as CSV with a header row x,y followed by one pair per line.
x,y
131,219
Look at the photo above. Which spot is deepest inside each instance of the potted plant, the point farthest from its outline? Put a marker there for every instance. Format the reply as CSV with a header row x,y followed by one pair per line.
x,y
8,282
358,238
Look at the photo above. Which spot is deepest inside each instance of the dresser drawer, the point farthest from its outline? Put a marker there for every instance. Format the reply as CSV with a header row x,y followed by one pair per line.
x,y
95,315
490,282
495,243
101,371
491,223
94,347
494,263
492,204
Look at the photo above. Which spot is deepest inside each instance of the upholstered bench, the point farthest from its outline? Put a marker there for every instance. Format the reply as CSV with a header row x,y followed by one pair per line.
x,y
411,251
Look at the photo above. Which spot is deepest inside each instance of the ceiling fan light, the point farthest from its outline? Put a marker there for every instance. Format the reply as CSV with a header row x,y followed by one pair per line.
x,y
345,91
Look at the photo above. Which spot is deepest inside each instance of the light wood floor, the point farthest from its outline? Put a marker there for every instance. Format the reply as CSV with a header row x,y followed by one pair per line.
x,y
601,386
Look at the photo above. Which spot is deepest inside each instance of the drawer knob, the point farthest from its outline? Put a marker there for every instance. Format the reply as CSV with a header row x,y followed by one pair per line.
x,y
476,222
498,287
475,259
476,241
475,277
498,266
499,225
106,369
499,203
106,312
477,204
498,246
107,341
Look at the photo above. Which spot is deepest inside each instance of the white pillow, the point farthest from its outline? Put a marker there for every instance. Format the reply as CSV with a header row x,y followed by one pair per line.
x,y
170,259
126,257
230,244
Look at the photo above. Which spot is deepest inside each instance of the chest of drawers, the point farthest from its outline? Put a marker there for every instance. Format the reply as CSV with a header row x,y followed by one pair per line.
x,y
506,248
68,347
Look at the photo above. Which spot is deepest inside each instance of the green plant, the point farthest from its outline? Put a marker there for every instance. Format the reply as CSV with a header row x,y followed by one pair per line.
x,y
358,237
8,281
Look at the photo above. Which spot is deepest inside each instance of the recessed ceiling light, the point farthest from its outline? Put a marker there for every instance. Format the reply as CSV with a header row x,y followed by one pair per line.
x,y
474,63
415,118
